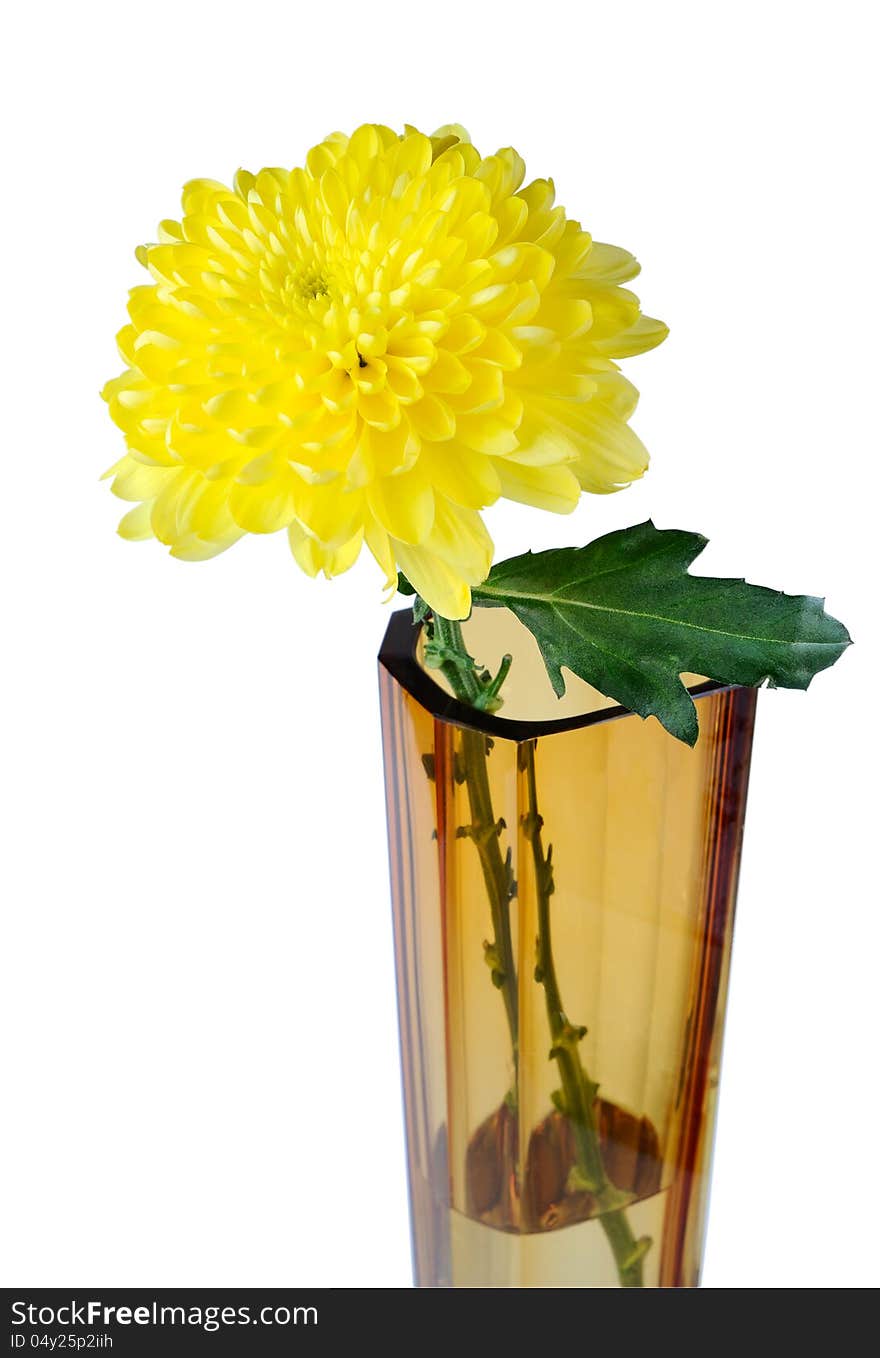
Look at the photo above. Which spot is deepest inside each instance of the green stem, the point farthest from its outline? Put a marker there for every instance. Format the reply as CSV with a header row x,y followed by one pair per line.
x,y
481,691
447,652
578,1090
486,832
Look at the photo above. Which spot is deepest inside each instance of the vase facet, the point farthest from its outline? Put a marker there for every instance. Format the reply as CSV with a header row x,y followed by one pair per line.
x,y
563,884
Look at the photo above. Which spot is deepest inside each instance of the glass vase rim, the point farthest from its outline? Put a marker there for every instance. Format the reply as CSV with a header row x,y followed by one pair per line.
x,y
397,655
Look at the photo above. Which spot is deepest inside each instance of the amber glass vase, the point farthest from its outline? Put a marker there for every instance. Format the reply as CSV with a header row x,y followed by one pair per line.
x,y
563,877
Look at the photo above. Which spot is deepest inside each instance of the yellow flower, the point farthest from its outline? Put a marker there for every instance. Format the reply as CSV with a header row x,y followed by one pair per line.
x,y
371,350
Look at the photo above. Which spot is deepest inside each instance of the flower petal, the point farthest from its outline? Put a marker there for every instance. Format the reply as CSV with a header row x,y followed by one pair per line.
x,y
312,557
554,488
404,505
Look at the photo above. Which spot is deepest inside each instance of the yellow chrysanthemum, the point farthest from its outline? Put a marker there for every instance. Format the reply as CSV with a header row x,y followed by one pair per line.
x,y
371,350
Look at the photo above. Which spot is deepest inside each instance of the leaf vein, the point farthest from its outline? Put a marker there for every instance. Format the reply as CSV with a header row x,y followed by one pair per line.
x,y
550,600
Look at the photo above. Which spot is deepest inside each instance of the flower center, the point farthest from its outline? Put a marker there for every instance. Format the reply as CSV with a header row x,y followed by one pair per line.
x,y
312,284
305,285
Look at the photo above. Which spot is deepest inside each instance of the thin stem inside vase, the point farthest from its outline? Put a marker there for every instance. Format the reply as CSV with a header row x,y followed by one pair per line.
x,y
448,653
577,1096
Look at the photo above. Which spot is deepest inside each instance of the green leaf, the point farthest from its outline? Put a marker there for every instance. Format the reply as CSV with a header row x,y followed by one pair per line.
x,y
623,614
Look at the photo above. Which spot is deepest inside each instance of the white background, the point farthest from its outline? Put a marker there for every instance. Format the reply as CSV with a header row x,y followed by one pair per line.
x,y
200,1026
